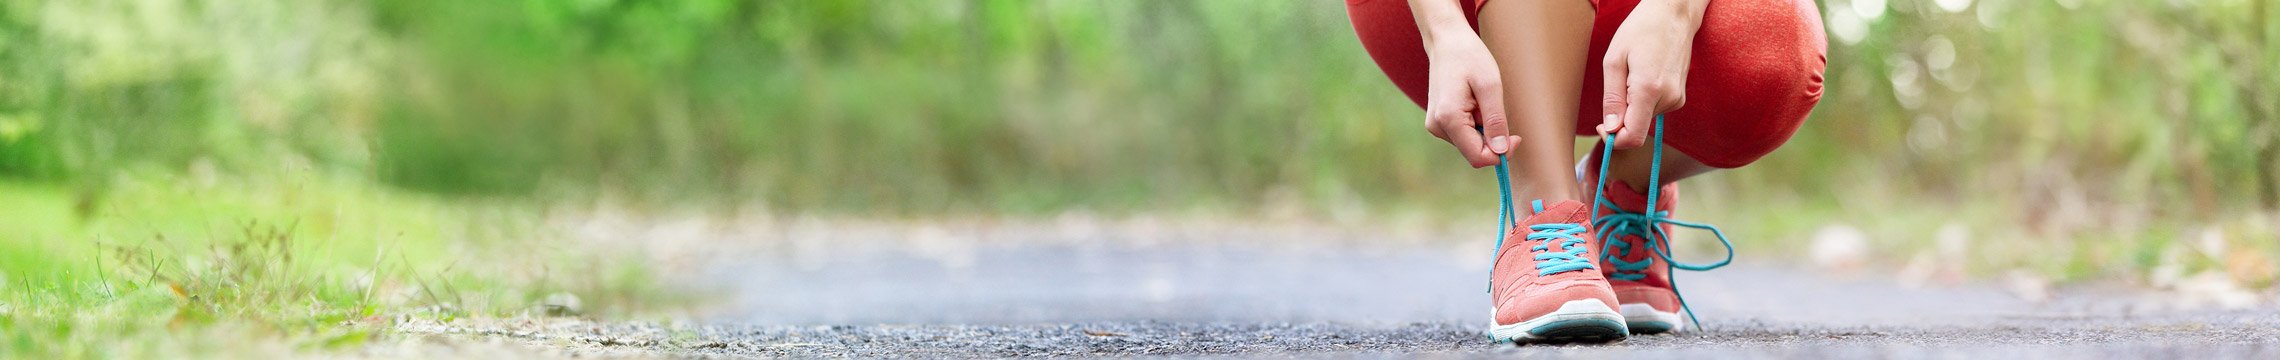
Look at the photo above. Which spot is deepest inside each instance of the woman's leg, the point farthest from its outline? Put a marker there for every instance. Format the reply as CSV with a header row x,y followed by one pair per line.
x,y
1632,167
1540,50
1755,76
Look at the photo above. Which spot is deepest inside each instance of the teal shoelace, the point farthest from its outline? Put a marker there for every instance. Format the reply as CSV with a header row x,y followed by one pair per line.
x,y
1569,257
1614,226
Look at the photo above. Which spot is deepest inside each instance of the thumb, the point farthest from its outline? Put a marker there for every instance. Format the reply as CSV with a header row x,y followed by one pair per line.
x,y
1636,118
1611,94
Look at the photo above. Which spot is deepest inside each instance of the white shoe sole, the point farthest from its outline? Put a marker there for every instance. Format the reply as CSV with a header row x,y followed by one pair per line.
x,y
1585,320
1643,319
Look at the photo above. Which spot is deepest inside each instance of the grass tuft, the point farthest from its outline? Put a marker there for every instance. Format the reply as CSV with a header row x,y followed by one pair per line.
x,y
261,267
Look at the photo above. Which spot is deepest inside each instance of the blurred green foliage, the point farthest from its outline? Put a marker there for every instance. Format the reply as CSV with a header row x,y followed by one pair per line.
x,y
2062,109
883,106
2132,132
2167,104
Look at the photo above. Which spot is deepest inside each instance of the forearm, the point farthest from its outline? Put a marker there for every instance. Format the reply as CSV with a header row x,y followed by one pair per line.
x,y
1441,20
1687,10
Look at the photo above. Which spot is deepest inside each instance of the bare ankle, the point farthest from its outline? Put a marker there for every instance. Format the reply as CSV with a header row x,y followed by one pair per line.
x,y
1635,168
1552,190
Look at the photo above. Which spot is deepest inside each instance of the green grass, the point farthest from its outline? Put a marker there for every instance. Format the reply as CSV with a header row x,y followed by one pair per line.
x,y
172,266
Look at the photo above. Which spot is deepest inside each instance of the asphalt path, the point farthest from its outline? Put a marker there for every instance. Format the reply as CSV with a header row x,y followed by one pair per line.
x,y
1079,288
1285,299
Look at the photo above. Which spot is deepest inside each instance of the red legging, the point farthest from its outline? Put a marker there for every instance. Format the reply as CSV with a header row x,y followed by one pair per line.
x,y
1756,71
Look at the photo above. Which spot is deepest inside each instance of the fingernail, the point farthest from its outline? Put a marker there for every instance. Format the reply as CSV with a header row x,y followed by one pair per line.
x,y
1498,144
1608,121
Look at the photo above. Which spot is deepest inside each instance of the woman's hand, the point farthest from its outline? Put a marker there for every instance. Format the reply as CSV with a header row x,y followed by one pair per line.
x,y
1464,96
1646,67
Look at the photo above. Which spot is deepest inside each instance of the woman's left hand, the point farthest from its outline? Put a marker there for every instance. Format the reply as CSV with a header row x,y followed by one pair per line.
x,y
1646,67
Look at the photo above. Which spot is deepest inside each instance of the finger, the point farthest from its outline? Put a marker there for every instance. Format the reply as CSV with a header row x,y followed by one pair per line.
x,y
1467,141
1615,72
1434,127
1636,116
1490,95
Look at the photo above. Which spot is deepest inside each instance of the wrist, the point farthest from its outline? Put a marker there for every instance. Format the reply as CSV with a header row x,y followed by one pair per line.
x,y
1441,24
1447,36
1692,11
1688,11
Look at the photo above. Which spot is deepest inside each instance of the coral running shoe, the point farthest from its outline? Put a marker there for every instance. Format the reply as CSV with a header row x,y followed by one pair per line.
x,y
1546,285
1636,228
1650,304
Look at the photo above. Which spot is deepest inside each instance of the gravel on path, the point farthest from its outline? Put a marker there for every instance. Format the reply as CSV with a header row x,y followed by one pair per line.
x,y
1287,299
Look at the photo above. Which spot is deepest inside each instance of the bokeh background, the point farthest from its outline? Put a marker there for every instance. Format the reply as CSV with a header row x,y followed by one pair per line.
x,y
2060,140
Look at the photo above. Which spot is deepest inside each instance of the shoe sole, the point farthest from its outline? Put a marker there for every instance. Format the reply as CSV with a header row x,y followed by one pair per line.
x,y
1643,319
1585,320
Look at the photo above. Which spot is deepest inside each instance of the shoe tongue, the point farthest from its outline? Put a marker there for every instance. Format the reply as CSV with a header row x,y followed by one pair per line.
x,y
1626,199
1565,211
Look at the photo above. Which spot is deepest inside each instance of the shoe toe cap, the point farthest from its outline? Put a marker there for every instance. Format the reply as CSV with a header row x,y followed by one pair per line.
x,y
1661,299
1545,299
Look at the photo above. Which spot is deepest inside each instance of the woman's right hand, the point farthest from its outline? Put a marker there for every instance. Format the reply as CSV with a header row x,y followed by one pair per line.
x,y
1464,96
